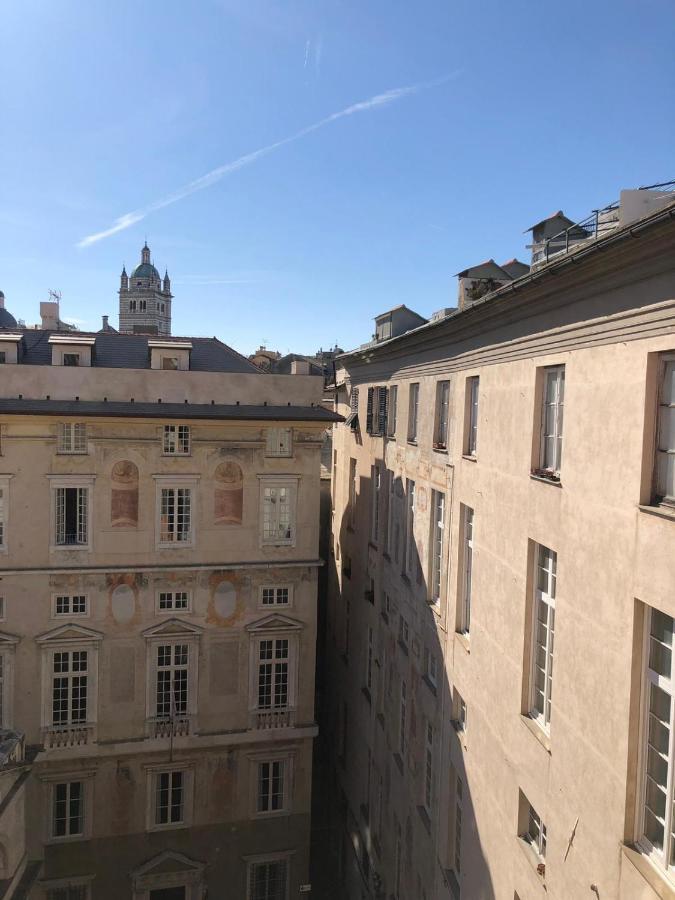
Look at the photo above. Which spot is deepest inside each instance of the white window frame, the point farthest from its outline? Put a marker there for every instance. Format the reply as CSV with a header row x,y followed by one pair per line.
x,y
275,591
428,793
664,457
72,438
153,774
80,482
171,597
268,859
291,662
534,833
471,432
431,667
290,483
256,763
176,440
376,484
466,568
4,512
459,711
437,547
69,613
413,411
85,779
391,411
174,483
279,442
7,663
543,632
410,542
442,416
551,426
664,684
160,724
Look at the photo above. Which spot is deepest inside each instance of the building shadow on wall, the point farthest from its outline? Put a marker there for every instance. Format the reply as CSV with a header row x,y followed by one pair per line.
x,y
389,820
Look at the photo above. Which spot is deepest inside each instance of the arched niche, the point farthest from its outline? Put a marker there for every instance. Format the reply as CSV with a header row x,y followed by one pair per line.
x,y
228,499
124,498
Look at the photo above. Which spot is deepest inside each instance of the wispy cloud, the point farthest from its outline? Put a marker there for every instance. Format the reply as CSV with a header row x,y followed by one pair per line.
x,y
308,46
378,101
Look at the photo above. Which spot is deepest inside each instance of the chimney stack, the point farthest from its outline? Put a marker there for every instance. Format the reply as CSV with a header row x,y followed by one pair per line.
x,y
49,313
105,323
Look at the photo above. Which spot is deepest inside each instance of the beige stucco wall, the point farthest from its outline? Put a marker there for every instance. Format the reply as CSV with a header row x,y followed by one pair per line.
x,y
612,556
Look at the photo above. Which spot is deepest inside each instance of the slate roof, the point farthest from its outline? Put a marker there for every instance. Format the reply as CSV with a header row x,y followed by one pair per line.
x,y
130,351
182,411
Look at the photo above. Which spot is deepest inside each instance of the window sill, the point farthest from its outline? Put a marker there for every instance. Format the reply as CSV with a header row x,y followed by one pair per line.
x,y
67,548
439,449
534,728
470,457
424,816
430,685
462,638
663,512
651,874
412,442
554,482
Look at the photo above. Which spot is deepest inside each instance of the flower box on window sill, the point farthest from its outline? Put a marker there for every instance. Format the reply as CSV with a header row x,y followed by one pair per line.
x,y
439,445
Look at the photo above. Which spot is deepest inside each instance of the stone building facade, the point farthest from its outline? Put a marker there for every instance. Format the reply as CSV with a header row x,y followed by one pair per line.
x,y
472,523
159,519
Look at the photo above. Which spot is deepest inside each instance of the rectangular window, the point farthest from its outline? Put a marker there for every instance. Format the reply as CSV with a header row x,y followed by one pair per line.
x,y
72,437
542,636
273,672
71,892
352,420
428,767
391,411
352,492
3,516
169,601
275,596
403,714
430,667
278,514
170,363
71,359
70,675
466,569
369,661
459,718
375,509
665,446
279,442
169,797
413,409
268,880
71,515
177,440
437,545
552,405
3,357
471,429
459,792
68,809
403,632
271,786
410,545
75,605
442,412
176,516
657,825
171,687
535,830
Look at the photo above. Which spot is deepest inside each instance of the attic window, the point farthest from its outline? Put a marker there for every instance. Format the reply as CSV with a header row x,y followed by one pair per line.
x,y
71,359
170,362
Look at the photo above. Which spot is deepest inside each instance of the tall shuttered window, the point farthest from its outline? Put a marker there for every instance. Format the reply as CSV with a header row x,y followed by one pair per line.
x,y
553,402
413,411
665,445
437,545
542,637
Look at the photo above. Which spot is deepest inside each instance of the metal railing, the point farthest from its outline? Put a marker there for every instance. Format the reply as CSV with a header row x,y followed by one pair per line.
x,y
598,223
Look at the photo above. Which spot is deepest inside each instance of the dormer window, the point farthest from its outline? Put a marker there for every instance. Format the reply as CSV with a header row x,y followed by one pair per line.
x,y
170,363
170,354
71,349
71,359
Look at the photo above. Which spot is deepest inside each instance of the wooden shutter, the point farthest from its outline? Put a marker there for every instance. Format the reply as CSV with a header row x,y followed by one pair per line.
x,y
369,412
383,397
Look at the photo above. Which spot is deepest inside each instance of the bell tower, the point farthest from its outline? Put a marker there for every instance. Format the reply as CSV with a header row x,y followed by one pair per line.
x,y
145,299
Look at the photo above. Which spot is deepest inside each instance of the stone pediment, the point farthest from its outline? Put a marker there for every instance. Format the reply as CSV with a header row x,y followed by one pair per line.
x,y
168,862
69,631
6,638
275,622
173,628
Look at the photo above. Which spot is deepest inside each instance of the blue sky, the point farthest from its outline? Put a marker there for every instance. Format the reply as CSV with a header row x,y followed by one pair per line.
x,y
110,109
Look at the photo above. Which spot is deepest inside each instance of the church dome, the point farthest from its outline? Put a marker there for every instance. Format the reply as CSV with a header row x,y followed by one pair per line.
x,y
7,320
145,270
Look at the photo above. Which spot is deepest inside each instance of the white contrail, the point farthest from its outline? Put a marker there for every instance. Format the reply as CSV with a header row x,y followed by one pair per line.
x,y
215,175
